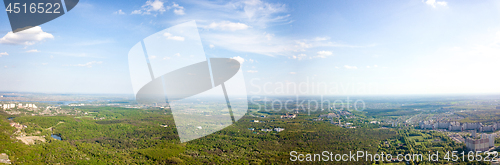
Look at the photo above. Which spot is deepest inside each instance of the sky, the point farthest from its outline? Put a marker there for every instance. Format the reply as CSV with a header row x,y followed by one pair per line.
x,y
285,47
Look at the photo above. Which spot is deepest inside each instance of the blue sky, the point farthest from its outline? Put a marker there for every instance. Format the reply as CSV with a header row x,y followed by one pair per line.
x,y
354,47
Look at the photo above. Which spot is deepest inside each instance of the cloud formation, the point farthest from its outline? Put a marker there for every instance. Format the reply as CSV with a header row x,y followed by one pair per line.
x,y
119,12
239,59
26,37
299,57
158,7
4,54
32,51
435,3
323,54
172,37
243,26
151,7
227,25
350,67
178,10
88,64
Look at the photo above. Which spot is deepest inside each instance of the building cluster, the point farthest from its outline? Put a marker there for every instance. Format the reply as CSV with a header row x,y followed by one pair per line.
x,y
76,105
345,113
484,143
4,158
268,130
279,129
395,124
457,126
17,125
329,115
12,105
457,138
288,116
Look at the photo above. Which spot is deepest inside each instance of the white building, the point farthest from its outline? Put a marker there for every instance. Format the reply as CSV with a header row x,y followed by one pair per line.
x,y
483,144
279,129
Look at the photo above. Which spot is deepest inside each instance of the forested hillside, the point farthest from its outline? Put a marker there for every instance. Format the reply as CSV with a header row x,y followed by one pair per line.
x,y
108,135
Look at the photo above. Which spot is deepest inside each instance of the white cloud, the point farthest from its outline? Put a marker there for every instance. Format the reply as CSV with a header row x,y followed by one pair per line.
x,y
350,67
299,57
293,73
252,19
177,54
45,63
302,44
75,54
93,42
166,58
442,3
435,3
136,12
256,10
178,10
154,7
4,54
269,36
119,12
172,37
251,41
321,38
152,57
32,51
239,59
250,60
151,7
26,37
375,66
227,25
212,46
368,67
323,54
252,71
88,64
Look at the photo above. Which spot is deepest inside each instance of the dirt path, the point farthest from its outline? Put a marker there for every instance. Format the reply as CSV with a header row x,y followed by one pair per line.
x,y
30,139
50,128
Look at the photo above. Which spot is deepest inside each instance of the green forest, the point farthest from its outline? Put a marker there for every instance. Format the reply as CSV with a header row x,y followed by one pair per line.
x,y
112,135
